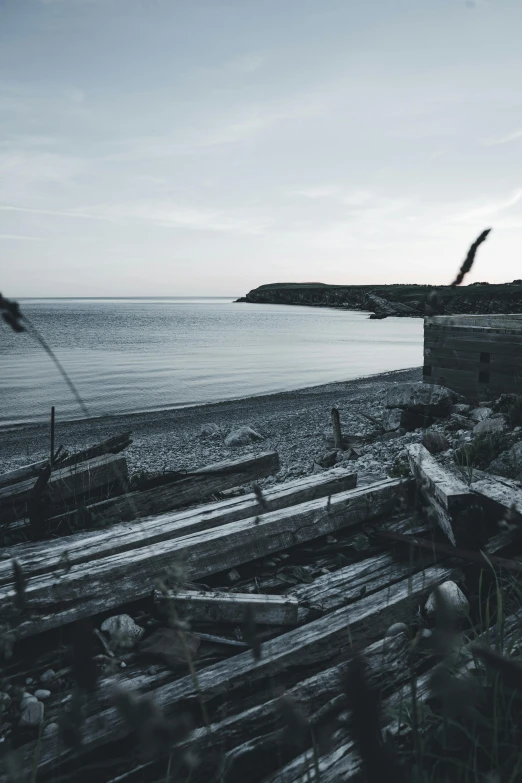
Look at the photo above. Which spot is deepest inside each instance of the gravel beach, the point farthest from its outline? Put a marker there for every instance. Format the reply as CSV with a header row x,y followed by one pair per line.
x,y
292,423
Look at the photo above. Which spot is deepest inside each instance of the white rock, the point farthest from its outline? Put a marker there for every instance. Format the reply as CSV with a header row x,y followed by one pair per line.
x,y
41,694
122,631
480,414
391,419
32,714
397,628
242,436
210,430
5,702
48,675
51,728
453,597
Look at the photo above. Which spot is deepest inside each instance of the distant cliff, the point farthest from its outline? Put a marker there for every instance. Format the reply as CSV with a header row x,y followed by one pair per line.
x,y
403,300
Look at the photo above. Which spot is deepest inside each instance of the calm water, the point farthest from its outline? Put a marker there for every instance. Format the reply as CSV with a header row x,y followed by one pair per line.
x,y
127,355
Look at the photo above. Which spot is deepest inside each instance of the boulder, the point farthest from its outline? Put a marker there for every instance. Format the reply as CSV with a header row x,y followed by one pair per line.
x,y
435,442
453,597
423,398
211,430
489,426
329,459
480,414
509,463
122,631
461,408
391,419
242,436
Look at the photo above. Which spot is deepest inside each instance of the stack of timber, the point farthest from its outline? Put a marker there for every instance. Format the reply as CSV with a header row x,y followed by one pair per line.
x,y
91,489
479,356
214,643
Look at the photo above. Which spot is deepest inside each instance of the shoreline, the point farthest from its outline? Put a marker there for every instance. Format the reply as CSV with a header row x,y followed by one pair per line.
x,y
292,423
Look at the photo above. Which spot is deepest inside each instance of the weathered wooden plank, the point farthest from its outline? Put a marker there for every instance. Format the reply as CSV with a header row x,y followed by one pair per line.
x,y
447,494
27,472
502,495
500,348
41,557
90,588
343,762
493,320
329,639
194,487
220,607
474,356
66,484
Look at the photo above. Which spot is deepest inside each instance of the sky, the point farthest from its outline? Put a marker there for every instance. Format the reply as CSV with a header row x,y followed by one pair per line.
x,y
205,147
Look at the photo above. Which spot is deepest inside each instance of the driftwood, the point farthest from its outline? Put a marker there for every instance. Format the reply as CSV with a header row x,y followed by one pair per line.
x,y
336,425
42,557
93,587
501,495
343,763
220,607
110,446
447,495
66,484
322,642
194,487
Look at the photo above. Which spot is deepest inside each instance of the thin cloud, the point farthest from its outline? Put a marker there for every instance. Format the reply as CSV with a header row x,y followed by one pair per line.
x,y
488,210
19,237
516,136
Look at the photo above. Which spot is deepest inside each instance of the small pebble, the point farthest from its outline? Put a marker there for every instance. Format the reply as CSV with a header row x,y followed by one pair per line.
x,y
32,714
48,675
29,681
26,699
51,728
41,694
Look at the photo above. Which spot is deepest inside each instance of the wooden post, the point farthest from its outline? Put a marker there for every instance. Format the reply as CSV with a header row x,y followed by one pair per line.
x,y
336,424
52,436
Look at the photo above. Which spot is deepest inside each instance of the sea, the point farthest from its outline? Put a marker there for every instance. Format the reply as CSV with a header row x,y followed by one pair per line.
x,y
149,354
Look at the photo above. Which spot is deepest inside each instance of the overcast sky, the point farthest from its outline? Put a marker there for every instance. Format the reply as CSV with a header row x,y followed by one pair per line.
x,y
184,147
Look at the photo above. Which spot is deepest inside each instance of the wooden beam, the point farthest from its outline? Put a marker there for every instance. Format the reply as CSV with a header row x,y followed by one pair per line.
x,y
329,639
446,494
102,585
220,607
194,487
47,556
66,484
110,446
502,495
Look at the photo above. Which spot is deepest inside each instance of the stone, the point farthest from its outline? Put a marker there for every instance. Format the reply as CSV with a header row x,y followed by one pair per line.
x,y
233,576
509,463
461,408
396,629
454,598
425,398
328,459
41,694
391,419
122,631
489,426
211,430
170,646
5,702
242,436
26,699
48,675
480,414
435,442
50,729
32,714
459,422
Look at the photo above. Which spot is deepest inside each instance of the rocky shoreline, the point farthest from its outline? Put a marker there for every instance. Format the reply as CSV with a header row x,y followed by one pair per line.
x,y
379,416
